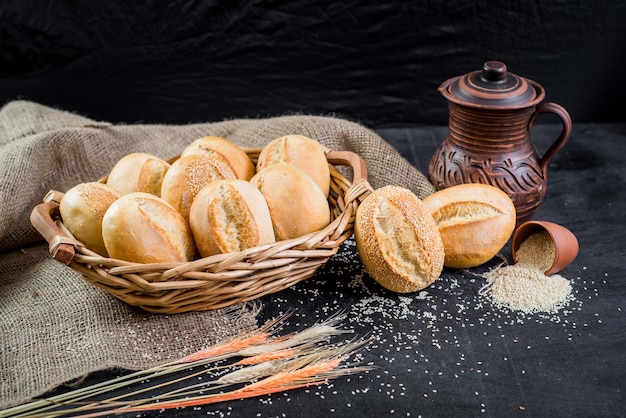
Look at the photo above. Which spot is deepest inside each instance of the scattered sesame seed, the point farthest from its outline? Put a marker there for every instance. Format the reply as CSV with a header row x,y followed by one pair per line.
x,y
419,330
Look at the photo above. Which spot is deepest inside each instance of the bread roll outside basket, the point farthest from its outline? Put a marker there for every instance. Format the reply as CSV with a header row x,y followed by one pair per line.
x,y
220,280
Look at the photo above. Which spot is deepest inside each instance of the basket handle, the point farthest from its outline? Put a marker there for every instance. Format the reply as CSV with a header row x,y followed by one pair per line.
x,y
59,243
350,159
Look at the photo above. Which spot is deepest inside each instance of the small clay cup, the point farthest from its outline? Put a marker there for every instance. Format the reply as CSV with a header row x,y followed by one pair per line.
x,y
565,242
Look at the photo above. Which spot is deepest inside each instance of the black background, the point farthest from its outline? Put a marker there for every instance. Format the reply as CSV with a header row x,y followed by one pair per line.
x,y
378,63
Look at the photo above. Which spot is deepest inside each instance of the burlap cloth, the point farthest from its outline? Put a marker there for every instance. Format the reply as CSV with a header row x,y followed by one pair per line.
x,y
55,327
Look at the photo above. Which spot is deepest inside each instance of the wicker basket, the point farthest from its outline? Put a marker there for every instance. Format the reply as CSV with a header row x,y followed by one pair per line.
x,y
220,280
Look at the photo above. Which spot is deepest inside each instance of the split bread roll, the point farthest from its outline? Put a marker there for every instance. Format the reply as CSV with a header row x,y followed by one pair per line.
x,y
475,222
82,208
301,151
237,158
142,228
397,240
188,175
229,216
138,172
296,203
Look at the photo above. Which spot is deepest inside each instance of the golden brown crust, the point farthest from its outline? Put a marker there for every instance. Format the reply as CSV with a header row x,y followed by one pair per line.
x,y
296,203
142,228
188,175
82,209
301,151
397,240
234,155
138,172
229,216
475,222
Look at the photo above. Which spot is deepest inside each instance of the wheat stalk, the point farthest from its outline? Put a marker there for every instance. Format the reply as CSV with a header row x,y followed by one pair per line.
x,y
267,364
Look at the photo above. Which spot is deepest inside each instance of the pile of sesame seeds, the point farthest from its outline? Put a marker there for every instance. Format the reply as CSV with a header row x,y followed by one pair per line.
x,y
527,289
524,286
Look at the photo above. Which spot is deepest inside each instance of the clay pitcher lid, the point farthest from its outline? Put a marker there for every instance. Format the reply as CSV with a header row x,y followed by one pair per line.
x,y
493,86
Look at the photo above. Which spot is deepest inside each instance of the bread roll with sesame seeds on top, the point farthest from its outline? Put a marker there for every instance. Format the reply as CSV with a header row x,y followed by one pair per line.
x,y
138,172
82,208
397,240
188,175
142,228
237,158
301,151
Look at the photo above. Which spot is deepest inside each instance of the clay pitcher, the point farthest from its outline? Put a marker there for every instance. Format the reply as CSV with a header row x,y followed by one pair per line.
x,y
491,114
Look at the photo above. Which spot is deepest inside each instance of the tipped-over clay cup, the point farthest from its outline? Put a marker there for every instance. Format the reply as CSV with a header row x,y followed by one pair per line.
x,y
565,242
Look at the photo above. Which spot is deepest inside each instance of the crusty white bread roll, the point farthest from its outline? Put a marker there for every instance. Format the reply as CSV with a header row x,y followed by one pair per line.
x,y
82,208
188,175
237,158
138,172
297,205
228,216
397,240
475,222
299,150
143,228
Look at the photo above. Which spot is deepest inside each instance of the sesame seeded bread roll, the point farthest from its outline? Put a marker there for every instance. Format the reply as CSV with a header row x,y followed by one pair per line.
x,y
301,151
397,240
297,205
235,156
142,228
229,216
188,175
475,222
138,172
82,208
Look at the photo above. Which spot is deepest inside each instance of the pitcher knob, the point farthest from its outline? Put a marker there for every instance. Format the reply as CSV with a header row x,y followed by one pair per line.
x,y
494,71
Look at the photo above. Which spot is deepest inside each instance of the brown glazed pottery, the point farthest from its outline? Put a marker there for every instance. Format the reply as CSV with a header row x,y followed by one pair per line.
x,y
565,242
491,113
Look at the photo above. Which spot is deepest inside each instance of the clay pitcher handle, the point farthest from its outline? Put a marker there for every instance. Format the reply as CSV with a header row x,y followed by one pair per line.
x,y
565,133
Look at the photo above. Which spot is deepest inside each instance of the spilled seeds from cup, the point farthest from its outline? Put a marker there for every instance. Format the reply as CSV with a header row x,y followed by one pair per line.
x,y
524,286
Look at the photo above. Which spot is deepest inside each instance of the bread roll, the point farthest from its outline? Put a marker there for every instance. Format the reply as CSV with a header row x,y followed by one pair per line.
x,y
475,222
229,216
300,151
297,205
138,172
397,240
236,157
142,228
82,208
188,175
